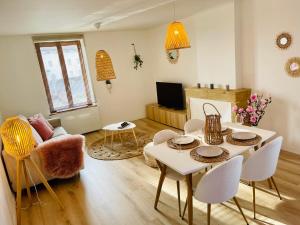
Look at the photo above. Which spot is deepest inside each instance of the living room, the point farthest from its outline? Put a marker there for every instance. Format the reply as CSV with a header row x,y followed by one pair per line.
x,y
235,49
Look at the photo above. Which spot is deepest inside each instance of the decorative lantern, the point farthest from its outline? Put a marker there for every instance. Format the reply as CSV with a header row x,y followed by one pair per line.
x,y
212,130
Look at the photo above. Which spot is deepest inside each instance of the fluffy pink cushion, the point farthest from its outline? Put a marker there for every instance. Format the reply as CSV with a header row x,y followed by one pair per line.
x,y
41,125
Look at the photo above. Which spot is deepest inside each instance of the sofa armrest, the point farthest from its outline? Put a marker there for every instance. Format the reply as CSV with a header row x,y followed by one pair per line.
x,y
55,122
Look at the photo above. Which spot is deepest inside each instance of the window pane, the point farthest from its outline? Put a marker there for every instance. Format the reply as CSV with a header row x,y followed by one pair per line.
x,y
54,77
74,71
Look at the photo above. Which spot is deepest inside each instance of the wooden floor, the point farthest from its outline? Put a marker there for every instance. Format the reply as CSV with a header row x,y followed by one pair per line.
x,y
122,192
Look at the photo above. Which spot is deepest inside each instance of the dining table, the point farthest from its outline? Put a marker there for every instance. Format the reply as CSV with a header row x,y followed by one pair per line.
x,y
184,164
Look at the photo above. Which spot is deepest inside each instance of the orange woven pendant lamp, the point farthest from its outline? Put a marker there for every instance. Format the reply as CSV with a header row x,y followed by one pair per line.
x,y
176,37
19,142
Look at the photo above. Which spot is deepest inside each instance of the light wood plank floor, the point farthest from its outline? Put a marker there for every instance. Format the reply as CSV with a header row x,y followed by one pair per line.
x,y
122,192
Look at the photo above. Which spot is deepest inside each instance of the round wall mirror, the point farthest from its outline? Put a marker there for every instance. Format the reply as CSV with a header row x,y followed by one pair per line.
x,y
292,67
284,40
173,55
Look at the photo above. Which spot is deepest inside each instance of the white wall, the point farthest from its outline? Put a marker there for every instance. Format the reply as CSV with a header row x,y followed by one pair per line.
x,y
22,90
263,63
211,59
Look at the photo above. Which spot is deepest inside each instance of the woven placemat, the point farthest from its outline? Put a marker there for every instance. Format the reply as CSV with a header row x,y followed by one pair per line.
x,y
224,156
226,132
194,144
250,142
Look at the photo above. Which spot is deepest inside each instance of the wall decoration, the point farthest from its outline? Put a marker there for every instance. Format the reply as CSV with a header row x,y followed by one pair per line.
x,y
104,67
284,40
292,67
137,60
173,55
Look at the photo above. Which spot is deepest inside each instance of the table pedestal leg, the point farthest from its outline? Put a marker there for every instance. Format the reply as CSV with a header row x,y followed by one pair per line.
x,y
189,198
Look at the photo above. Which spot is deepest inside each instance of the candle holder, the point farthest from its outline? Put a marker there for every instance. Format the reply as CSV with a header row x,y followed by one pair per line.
x,y
198,85
212,86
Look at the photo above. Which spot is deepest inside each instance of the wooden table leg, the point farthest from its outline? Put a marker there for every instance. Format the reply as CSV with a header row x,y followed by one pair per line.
x,y
112,140
104,137
160,183
137,144
189,198
120,136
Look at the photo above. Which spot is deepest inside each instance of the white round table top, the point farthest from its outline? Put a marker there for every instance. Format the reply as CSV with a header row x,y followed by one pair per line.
x,y
116,126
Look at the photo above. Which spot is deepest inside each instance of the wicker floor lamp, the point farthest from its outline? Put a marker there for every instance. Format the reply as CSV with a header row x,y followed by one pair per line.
x,y
19,142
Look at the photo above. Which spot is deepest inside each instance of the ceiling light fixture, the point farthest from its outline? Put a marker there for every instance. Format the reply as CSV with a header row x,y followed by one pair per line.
x,y
176,37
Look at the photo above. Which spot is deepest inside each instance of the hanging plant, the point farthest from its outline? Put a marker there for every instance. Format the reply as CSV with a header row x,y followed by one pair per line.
x,y
137,60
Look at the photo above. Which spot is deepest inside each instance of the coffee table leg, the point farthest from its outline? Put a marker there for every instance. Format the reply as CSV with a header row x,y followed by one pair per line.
x,y
104,137
112,140
120,136
137,145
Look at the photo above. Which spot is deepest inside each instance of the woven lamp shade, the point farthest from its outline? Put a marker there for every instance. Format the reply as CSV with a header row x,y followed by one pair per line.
x,y
177,37
17,137
104,67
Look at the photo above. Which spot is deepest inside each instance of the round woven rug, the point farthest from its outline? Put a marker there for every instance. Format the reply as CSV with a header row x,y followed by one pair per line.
x,y
121,150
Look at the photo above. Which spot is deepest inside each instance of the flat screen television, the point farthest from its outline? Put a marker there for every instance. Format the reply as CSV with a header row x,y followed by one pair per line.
x,y
170,95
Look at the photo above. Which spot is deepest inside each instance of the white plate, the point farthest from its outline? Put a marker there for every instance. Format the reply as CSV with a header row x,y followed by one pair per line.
x,y
209,151
243,135
183,140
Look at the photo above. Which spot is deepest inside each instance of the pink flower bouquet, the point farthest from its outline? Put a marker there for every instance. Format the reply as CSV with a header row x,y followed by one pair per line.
x,y
255,109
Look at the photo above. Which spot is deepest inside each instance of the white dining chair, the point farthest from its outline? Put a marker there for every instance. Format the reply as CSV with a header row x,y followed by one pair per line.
x,y
193,125
218,185
261,165
160,137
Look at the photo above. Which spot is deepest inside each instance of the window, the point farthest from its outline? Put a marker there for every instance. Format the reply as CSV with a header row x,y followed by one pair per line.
x,y
64,74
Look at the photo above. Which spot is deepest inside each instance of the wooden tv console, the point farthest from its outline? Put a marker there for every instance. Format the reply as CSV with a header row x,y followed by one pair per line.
x,y
170,117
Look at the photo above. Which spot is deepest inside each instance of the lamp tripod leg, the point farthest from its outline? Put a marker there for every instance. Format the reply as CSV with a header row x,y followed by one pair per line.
x,y
45,182
27,182
19,189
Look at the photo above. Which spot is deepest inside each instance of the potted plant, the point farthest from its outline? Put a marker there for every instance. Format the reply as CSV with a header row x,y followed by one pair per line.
x,y
255,110
137,59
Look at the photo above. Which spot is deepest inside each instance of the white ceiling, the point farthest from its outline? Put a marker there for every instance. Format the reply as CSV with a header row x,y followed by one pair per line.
x,y
61,16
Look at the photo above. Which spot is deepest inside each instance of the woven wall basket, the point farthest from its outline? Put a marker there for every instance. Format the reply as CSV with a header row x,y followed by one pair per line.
x,y
104,67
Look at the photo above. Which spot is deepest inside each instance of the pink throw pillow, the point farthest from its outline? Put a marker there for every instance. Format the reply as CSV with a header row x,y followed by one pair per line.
x,y
41,125
40,116
37,137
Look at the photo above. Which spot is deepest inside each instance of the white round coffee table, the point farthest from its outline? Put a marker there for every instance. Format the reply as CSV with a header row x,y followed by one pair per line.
x,y
116,128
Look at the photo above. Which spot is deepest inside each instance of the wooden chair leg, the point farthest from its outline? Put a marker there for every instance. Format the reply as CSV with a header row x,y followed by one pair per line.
x,y
184,209
272,179
178,196
27,183
270,184
208,213
238,205
160,183
253,189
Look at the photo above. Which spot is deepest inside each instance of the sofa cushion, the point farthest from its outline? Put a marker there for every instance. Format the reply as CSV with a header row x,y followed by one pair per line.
x,y
41,126
41,117
38,139
58,131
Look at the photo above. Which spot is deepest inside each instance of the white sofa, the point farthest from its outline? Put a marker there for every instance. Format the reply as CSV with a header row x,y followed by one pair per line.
x,y
10,162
